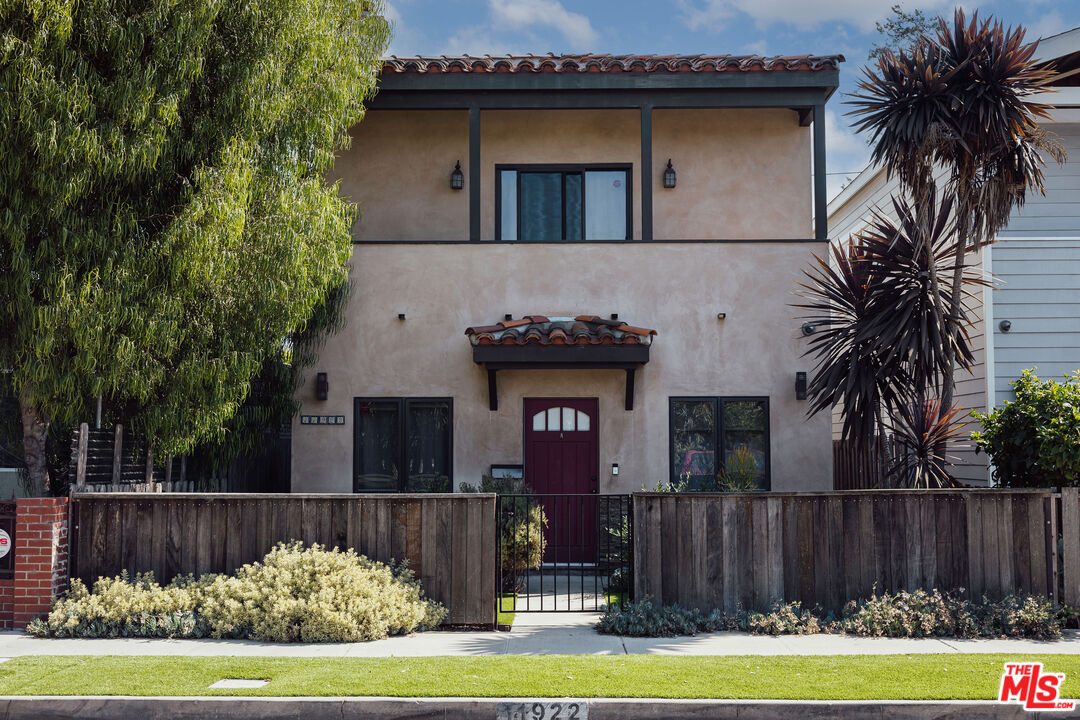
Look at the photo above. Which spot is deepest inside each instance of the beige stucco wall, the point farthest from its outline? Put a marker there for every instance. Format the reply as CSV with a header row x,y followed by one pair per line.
x,y
397,170
675,288
741,174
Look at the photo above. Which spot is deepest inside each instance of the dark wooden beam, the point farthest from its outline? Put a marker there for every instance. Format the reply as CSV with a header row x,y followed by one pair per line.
x,y
474,173
821,204
596,82
630,388
646,173
626,99
574,356
493,391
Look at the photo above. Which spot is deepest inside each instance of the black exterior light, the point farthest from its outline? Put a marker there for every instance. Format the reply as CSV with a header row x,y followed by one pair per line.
x,y
669,176
457,178
800,386
322,386
808,329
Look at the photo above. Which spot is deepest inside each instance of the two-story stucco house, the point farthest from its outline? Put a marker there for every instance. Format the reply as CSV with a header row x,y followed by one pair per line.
x,y
581,267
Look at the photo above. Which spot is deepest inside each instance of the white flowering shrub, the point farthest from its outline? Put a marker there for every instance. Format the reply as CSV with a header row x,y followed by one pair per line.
x,y
294,594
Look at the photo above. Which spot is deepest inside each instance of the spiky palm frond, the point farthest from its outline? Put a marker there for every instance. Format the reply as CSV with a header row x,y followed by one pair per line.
x,y
921,431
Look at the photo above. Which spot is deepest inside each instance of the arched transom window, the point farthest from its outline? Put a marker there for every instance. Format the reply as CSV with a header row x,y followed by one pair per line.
x,y
560,419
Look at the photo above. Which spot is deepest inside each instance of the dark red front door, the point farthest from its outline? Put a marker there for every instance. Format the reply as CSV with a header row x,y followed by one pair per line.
x,y
561,461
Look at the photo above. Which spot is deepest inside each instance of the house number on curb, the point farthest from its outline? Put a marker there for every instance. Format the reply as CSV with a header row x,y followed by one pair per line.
x,y
543,710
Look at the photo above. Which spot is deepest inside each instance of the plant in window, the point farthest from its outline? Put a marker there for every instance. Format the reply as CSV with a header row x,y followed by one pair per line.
x,y
740,472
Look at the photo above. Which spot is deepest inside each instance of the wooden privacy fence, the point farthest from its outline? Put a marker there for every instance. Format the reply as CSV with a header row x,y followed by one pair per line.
x,y
446,539
710,551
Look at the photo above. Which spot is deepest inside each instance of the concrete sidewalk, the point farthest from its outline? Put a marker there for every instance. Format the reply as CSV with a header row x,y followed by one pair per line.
x,y
540,634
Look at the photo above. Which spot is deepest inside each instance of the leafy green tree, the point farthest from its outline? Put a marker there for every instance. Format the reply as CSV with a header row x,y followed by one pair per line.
x,y
901,29
1034,440
165,221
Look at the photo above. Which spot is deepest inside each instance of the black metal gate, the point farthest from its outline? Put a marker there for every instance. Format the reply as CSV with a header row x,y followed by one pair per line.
x,y
563,553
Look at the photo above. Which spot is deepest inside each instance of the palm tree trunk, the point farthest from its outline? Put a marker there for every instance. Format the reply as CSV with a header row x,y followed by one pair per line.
x,y
35,430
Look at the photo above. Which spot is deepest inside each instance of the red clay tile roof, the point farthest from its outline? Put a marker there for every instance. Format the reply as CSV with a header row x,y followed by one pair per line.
x,y
609,63
541,330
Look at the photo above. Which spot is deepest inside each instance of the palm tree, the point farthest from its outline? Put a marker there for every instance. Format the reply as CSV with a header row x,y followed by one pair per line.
x,y
881,352
961,102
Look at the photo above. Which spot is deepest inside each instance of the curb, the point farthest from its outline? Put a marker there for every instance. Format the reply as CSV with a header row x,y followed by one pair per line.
x,y
245,708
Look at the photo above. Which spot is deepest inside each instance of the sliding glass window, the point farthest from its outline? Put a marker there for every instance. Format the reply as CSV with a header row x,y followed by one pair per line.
x,y
547,203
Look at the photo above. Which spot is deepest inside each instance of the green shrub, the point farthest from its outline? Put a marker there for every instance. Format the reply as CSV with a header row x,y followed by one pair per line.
x,y
521,528
1034,440
902,614
294,594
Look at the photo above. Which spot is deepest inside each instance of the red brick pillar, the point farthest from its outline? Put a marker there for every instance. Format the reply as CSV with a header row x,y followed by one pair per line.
x,y
41,556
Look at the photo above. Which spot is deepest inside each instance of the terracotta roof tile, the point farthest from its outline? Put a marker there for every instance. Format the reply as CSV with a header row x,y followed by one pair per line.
x,y
610,63
542,330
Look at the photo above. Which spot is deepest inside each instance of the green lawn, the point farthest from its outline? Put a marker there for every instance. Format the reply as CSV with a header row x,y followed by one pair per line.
x,y
508,600
793,677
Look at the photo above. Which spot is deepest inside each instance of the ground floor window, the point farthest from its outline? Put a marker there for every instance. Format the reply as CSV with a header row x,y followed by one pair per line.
x,y
717,437
403,445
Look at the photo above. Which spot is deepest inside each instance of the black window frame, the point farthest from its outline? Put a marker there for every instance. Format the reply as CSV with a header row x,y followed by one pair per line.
x,y
720,430
565,169
403,404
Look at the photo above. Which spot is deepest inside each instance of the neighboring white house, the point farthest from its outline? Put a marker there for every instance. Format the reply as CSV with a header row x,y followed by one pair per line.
x,y
1031,315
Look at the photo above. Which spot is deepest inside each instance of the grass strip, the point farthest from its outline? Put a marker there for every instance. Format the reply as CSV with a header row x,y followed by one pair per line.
x,y
844,677
506,617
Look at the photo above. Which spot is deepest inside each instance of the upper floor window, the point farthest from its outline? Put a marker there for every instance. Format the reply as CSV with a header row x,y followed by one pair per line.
x,y
562,202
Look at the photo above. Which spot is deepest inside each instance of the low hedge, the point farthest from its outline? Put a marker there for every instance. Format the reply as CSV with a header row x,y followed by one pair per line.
x,y
295,594
902,614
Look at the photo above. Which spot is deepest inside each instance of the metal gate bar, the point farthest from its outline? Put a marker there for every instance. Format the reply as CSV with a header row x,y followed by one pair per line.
x,y
563,552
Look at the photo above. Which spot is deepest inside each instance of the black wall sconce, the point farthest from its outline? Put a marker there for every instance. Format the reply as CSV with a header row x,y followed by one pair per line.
x,y
669,176
457,178
401,316
800,386
322,386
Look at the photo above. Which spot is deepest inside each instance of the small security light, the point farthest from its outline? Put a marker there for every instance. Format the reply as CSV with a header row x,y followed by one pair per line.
x,y
401,316
721,315
808,328
669,176
614,468
322,386
614,316
508,317
457,178
1005,325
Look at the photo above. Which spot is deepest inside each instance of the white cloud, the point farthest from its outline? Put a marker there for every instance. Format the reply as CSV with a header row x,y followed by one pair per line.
x,y
1050,24
847,153
477,40
529,15
405,40
714,14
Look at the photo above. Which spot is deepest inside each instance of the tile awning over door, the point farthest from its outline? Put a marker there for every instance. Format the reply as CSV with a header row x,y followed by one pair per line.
x,y
586,342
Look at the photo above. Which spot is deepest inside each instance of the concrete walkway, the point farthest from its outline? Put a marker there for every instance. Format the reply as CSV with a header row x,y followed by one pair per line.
x,y
540,634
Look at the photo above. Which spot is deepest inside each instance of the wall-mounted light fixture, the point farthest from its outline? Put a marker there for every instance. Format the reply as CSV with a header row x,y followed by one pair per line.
x,y
614,468
322,386
808,329
614,316
800,386
721,316
1005,325
401,316
669,176
457,178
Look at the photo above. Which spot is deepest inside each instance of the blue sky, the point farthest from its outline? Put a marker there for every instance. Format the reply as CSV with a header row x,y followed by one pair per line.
x,y
764,27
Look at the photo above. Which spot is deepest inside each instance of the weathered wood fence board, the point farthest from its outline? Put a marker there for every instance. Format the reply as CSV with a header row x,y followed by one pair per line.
x,y
447,540
712,551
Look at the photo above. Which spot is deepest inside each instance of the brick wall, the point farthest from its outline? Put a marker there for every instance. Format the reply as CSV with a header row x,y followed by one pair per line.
x,y
41,559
